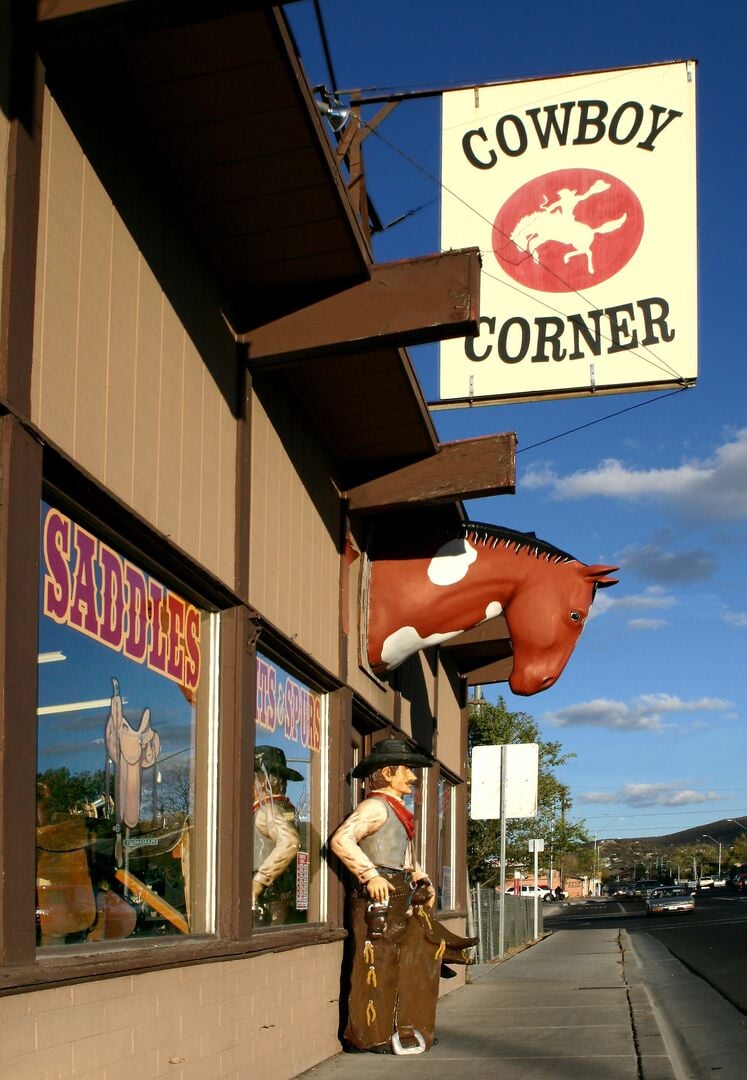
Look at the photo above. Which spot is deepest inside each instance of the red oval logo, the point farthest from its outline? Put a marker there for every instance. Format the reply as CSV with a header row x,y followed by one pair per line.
x,y
568,230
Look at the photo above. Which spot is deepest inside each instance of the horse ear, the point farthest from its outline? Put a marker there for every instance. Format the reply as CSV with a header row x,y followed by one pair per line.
x,y
597,575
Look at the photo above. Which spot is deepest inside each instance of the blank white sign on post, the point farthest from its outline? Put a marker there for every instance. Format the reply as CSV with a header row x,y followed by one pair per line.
x,y
522,773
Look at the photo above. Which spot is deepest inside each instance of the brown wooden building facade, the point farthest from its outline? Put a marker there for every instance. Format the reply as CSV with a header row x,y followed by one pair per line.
x,y
206,411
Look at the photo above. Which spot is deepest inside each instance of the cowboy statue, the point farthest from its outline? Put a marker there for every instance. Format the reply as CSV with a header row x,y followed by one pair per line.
x,y
276,838
399,947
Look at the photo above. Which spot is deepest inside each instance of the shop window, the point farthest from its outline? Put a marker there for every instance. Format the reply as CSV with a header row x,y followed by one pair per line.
x,y
446,844
126,739
289,806
417,802
357,790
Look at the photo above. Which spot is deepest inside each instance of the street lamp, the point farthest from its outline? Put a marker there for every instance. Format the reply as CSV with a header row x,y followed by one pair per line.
x,y
739,823
706,835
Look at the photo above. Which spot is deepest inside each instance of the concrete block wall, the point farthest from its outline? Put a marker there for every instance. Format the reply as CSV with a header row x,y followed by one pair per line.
x,y
272,1016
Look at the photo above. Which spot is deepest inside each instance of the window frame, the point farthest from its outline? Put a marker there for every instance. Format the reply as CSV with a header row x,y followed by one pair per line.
x,y
445,779
205,732
30,472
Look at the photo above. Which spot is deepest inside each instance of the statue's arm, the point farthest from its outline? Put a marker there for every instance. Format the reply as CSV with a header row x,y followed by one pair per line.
x,y
367,818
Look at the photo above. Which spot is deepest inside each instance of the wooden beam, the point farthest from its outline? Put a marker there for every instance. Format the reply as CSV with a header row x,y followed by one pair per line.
x,y
404,303
483,654
498,671
483,635
466,469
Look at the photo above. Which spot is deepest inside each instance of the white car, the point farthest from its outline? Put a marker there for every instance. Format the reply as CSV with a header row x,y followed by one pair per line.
x,y
529,891
705,883
670,899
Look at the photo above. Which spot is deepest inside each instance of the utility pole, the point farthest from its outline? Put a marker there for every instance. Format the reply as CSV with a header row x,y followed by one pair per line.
x,y
563,808
715,841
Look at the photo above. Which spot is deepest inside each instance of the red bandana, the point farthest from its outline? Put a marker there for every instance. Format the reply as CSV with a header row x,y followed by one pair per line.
x,y
272,798
404,815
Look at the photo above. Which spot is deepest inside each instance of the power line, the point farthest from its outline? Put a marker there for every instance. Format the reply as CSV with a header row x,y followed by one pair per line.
x,y
601,419
325,44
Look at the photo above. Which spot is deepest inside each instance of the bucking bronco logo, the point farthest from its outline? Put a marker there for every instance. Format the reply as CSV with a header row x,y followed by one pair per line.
x,y
568,230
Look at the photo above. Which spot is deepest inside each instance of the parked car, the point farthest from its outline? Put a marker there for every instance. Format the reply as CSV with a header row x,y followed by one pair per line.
x,y
670,899
739,882
528,891
705,882
643,887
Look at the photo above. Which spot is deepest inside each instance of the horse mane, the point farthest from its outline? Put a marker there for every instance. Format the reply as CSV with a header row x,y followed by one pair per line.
x,y
494,535
404,542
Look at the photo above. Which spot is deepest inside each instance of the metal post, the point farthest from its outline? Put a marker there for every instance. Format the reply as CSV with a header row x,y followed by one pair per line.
x,y
480,948
502,895
536,897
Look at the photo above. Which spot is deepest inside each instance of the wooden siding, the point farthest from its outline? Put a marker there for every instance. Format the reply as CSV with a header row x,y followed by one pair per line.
x,y
118,382
294,565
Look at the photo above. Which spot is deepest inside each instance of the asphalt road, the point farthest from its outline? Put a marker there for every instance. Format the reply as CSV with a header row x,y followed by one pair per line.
x,y
711,942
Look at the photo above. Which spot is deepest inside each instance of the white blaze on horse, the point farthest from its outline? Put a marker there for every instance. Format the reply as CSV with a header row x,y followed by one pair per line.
x,y
446,588
556,223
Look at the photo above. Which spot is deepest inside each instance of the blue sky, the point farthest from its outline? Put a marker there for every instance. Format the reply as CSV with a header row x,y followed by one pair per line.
x,y
654,698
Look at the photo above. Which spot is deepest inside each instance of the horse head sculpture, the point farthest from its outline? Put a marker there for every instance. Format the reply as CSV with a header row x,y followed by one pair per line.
x,y
482,571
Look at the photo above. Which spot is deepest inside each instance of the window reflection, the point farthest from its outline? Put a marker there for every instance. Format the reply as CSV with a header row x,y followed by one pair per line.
x,y
286,808
123,780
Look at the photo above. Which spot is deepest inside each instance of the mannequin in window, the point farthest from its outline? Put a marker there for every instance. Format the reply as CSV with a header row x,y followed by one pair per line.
x,y
276,838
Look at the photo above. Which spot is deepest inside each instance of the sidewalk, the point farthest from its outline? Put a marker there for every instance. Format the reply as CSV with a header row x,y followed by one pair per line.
x,y
559,1010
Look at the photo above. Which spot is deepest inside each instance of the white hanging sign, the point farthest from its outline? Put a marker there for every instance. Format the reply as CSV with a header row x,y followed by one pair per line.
x,y
580,193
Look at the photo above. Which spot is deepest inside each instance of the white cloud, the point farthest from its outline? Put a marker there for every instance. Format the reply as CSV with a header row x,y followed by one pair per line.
x,y
654,598
670,794
710,489
644,713
647,624
735,618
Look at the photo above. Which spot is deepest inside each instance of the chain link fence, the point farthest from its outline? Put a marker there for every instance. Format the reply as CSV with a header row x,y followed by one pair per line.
x,y
485,920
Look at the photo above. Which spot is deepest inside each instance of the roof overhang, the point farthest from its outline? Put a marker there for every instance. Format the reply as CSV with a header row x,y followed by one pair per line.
x,y
211,97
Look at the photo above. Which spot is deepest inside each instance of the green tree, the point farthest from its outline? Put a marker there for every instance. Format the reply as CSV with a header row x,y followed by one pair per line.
x,y
490,725
60,792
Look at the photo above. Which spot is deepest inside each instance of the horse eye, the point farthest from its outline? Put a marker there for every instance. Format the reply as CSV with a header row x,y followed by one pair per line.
x,y
575,616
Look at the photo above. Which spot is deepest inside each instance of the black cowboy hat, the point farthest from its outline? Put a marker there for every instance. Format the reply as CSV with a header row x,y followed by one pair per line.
x,y
390,752
271,759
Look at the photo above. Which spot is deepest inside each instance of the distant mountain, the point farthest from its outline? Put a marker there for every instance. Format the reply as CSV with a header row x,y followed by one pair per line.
x,y
637,856
724,831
